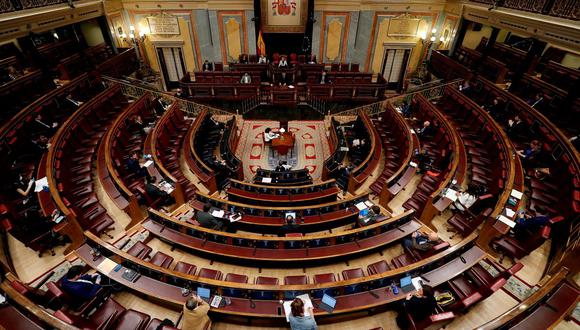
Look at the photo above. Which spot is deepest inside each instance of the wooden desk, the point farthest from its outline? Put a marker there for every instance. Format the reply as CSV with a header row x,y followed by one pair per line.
x,y
267,309
284,143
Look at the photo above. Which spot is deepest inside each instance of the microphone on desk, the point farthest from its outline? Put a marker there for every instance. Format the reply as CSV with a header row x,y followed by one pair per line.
x,y
425,279
252,304
162,229
401,229
374,294
462,259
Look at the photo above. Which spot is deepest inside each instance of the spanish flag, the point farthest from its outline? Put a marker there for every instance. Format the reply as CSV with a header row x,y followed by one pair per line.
x,y
261,45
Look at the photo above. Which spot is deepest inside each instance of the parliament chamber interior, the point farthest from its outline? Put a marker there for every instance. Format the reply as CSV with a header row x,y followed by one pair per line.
x,y
289,164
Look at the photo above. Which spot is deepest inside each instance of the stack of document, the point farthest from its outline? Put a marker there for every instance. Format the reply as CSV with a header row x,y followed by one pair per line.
x,y
506,221
218,213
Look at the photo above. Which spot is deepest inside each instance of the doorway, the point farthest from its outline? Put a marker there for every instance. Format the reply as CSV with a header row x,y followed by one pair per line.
x,y
172,65
394,66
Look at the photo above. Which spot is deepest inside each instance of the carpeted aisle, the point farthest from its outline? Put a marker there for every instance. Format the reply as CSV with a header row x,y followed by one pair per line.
x,y
310,150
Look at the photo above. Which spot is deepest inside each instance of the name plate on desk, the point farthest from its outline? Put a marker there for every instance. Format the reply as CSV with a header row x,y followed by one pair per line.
x,y
506,221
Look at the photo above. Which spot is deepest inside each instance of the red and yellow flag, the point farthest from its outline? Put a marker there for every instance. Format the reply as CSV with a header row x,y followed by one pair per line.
x,y
261,45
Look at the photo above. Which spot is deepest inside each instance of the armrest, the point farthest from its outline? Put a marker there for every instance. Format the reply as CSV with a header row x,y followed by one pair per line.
x,y
470,300
556,219
515,268
108,322
54,290
546,232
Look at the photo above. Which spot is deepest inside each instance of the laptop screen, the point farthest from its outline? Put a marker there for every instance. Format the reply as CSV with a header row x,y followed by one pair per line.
x,y
364,213
203,293
405,281
328,300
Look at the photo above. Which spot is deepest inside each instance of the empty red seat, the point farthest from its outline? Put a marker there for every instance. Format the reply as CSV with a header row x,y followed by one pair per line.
x,y
352,273
185,268
378,267
266,280
210,273
296,280
236,278
131,319
324,278
140,250
162,260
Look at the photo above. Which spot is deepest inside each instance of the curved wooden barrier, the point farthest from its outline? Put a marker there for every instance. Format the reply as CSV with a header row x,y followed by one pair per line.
x,y
364,170
205,174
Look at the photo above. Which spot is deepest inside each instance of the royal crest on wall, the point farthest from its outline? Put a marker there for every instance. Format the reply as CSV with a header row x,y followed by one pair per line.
x,y
284,16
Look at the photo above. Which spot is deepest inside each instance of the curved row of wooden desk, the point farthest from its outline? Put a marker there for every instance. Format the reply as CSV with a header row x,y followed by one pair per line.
x,y
364,170
201,170
269,219
276,250
364,293
281,196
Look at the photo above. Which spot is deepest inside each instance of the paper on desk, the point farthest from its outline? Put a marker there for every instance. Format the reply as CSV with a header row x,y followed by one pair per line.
x,y
451,194
510,213
412,131
413,164
369,203
218,213
267,180
516,194
106,266
40,184
506,221
148,163
235,217
415,281
343,148
361,206
307,304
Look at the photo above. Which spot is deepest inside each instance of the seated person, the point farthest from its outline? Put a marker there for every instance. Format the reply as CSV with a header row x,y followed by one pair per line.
x,y
421,242
290,226
323,78
425,130
136,124
40,144
373,214
80,286
45,128
536,101
283,62
244,59
269,135
423,161
195,314
517,127
298,319
262,59
134,166
207,220
466,199
246,79
157,194
207,66
526,224
279,168
312,59
24,187
13,74
465,87
496,109
420,305
530,154
406,109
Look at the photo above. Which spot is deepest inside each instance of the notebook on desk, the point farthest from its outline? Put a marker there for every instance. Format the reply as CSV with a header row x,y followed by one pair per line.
x,y
204,294
407,284
327,303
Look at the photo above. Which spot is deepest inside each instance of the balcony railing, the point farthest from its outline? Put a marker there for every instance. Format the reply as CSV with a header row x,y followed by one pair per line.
x,y
569,9
7,6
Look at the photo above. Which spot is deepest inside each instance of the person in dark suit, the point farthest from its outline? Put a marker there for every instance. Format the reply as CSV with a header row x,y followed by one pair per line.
x,y
290,226
207,220
527,224
421,241
420,305
517,128
79,286
157,194
43,127
425,130
206,66
134,167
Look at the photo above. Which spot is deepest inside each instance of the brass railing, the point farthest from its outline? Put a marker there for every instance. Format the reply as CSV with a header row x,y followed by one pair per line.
x,y
378,107
192,109
561,8
7,6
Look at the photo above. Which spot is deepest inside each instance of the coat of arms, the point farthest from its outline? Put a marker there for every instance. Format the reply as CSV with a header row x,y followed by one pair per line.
x,y
284,7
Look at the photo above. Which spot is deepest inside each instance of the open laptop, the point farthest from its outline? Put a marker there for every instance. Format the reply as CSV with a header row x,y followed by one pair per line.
x,y
204,294
327,303
407,284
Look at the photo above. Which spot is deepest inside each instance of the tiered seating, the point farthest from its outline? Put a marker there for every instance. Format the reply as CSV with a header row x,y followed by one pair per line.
x,y
281,178
488,67
269,219
125,137
164,143
399,145
20,92
83,61
220,85
513,58
228,144
448,159
446,68
255,194
70,160
18,153
352,290
120,65
371,151
244,248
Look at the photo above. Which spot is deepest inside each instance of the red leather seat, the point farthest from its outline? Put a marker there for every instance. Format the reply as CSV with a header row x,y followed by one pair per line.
x,y
210,273
162,260
103,317
324,278
131,319
378,267
266,280
296,280
403,260
154,323
435,321
236,278
352,273
140,250
185,268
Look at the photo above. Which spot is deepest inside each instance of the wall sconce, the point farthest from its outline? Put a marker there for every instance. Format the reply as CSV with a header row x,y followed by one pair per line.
x,y
132,38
